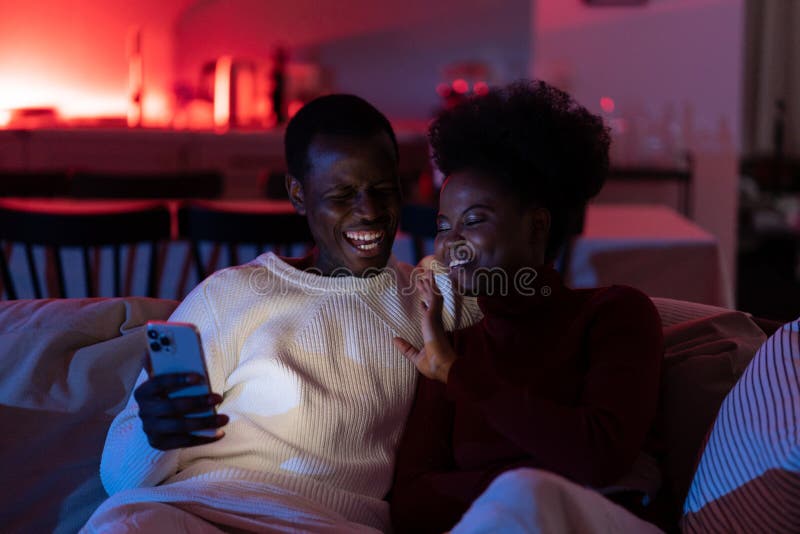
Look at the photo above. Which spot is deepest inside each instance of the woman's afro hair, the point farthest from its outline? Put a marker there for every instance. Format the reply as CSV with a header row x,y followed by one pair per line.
x,y
534,140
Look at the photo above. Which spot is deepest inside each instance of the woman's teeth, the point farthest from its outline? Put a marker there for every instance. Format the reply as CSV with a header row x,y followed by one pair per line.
x,y
456,263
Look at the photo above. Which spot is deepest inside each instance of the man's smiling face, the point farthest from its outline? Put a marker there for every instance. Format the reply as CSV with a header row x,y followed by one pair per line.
x,y
351,197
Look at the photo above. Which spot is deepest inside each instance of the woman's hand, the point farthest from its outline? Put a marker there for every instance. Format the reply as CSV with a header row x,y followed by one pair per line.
x,y
436,356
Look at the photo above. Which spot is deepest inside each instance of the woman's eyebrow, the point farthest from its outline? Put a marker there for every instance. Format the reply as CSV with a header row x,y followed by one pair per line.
x,y
477,206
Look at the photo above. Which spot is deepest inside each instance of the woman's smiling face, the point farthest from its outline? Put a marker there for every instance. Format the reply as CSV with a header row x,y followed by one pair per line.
x,y
484,232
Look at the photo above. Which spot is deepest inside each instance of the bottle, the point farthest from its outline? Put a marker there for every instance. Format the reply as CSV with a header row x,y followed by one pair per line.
x,y
135,78
279,58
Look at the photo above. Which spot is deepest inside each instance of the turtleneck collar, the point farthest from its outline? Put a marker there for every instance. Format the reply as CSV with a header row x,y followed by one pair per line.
x,y
525,294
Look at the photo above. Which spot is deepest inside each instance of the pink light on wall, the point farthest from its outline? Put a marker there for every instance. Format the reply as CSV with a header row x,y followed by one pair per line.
x,y
73,56
70,97
294,107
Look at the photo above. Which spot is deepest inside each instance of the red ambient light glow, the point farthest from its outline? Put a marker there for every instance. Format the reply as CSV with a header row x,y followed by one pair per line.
x,y
607,104
460,86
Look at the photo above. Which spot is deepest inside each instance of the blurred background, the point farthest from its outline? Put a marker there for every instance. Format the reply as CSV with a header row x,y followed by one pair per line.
x,y
700,96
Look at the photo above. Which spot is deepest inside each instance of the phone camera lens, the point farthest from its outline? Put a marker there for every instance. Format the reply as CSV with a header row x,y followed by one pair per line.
x,y
165,341
155,346
152,334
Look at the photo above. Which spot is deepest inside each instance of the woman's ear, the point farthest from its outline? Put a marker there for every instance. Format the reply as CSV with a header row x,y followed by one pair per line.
x,y
540,220
296,195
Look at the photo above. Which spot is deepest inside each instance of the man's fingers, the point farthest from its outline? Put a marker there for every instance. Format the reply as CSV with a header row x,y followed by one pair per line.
x,y
159,426
162,385
407,349
180,441
178,406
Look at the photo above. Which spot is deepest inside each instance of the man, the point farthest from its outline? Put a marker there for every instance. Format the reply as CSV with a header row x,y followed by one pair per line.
x,y
311,393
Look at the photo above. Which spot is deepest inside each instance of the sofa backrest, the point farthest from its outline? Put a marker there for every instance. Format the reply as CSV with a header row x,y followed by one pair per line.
x,y
66,368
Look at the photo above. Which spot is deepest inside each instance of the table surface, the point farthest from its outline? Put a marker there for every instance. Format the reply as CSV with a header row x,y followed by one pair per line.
x,y
635,221
652,248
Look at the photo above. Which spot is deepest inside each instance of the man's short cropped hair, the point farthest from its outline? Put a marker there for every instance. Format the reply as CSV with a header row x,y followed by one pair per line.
x,y
335,115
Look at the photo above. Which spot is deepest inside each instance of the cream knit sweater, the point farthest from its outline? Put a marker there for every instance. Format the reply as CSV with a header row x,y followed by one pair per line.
x,y
316,393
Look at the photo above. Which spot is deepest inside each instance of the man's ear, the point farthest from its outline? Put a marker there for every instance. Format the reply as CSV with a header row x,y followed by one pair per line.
x,y
296,195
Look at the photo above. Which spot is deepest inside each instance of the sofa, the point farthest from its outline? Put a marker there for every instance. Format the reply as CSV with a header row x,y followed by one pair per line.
x,y
67,367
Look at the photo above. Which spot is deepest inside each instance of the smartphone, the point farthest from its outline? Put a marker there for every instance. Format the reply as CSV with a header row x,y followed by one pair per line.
x,y
176,348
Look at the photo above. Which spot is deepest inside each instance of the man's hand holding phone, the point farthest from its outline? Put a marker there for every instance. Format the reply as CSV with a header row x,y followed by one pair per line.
x,y
167,421
176,406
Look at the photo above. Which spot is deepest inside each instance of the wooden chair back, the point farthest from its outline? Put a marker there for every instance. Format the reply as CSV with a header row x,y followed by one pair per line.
x,y
59,225
232,223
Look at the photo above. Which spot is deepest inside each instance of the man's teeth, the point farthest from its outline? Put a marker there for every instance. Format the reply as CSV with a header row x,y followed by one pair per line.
x,y
365,240
456,263
363,236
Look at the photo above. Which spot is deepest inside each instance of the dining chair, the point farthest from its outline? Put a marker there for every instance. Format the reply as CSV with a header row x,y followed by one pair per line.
x,y
195,184
233,223
681,175
58,225
419,222
33,183
273,185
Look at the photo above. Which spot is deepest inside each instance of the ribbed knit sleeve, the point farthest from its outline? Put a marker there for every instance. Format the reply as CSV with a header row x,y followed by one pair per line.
x,y
458,311
128,460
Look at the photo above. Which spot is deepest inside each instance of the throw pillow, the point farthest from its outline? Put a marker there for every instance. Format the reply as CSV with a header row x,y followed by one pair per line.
x,y
748,479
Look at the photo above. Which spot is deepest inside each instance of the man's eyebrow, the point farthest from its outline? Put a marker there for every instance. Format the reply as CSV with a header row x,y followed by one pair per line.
x,y
336,187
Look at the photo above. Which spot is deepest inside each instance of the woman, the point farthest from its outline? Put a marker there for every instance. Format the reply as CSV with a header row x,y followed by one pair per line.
x,y
559,380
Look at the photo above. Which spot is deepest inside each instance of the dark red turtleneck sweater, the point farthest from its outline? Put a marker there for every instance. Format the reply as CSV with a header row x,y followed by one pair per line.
x,y
565,381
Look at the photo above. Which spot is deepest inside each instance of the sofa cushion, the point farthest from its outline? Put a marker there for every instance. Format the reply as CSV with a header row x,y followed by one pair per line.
x,y
706,350
703,360
674,312
66,368
748,479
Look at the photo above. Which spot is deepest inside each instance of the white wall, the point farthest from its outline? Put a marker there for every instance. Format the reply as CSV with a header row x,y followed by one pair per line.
x,y
388,52
674,69
72,53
